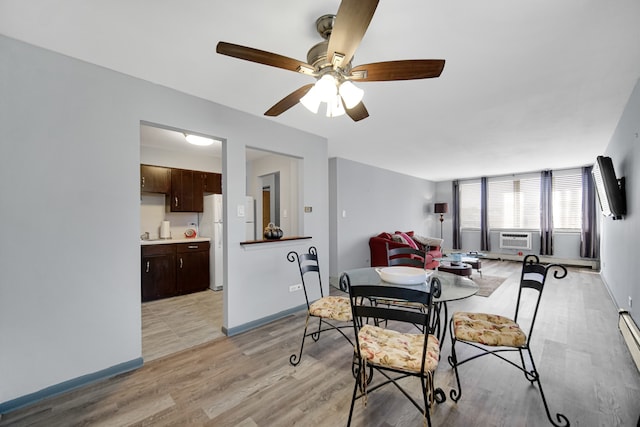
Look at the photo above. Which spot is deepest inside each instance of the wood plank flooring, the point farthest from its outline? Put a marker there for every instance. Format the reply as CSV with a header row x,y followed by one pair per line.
x,y
175,324
247,381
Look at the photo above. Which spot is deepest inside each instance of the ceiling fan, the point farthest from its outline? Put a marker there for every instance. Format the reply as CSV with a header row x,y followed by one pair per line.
x,y
330,63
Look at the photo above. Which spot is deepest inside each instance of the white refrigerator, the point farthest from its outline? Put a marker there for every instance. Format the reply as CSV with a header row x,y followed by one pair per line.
x,y
211,226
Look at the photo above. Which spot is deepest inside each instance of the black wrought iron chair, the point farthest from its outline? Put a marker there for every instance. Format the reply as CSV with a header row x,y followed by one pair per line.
x,y
394,354
406,256
494,334
332,312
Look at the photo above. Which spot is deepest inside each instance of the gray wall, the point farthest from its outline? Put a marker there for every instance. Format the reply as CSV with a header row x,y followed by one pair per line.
x,y
374,200
70,254
619,241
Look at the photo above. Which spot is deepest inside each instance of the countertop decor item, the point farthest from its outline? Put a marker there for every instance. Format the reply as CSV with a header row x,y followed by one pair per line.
x,y
273,232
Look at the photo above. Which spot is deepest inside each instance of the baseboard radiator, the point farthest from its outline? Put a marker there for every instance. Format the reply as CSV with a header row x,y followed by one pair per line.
x,y
511,240
631,334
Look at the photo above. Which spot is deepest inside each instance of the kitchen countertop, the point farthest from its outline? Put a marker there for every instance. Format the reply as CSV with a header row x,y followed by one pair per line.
x,y
166,241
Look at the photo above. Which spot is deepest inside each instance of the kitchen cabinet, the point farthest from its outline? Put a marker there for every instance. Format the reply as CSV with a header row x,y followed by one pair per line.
x,y
155,179
192,270
212,182
171,269
186,191
158,272
185,188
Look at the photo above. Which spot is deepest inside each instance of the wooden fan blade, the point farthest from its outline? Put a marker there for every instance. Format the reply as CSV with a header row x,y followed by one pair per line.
x,y
288,101
399,70
358,112
263,57
352,21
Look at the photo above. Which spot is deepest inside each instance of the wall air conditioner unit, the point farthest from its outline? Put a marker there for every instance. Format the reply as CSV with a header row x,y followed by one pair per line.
x,y
511,240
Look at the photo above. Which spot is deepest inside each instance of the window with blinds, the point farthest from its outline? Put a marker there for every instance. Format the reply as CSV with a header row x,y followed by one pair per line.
x,y
567,200
514,202
470,204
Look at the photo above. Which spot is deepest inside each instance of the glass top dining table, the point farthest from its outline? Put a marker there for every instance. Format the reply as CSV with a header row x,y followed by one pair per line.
x,y
453,287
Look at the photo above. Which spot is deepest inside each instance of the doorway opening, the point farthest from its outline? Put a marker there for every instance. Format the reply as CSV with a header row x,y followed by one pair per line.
x,y
270,199
175,323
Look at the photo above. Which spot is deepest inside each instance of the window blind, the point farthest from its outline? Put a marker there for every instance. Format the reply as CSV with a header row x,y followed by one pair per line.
x,y
514,202
567,199
470,204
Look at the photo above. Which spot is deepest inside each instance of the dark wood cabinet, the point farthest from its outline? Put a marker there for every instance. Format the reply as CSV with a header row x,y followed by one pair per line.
x,y
184,188
212,182
174,269
192,271
186,191
155,179
158,272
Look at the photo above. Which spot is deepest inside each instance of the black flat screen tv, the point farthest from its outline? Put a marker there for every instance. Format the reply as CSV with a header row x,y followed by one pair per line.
x,y
610,190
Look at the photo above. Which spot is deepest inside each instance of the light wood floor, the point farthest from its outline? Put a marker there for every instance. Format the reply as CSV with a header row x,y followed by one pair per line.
x,y
175,324
247,381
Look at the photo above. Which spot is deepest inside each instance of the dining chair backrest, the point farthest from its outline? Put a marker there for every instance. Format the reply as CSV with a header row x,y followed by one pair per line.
x,y
406,256
361,295
534,276
307,263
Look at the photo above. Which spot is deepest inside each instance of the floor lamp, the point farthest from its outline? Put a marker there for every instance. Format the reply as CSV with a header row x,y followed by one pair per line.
x,y
441,208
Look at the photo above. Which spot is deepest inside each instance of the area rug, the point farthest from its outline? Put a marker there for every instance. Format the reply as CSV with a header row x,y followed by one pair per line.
x,y
487,284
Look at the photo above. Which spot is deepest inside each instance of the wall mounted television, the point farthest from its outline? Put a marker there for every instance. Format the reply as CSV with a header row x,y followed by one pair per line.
x,y
610,190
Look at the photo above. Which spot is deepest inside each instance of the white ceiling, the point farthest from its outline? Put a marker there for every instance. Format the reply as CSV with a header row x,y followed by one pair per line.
x,y
527,85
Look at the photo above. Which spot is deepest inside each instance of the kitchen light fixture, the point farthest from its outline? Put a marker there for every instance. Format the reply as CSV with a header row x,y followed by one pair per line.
x,y
198,140
441,208
328,90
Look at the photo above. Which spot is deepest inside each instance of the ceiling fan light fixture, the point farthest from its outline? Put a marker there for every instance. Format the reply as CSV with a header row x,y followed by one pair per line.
x,y
351,94
334,107
327,88
311,100
198,140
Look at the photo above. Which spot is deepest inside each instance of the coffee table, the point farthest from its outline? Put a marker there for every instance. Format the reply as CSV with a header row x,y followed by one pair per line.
x,y
455,267
471,258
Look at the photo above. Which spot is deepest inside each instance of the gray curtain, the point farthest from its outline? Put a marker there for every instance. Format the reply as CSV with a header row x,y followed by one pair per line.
x,y
485,242
590,235
455,214
546,213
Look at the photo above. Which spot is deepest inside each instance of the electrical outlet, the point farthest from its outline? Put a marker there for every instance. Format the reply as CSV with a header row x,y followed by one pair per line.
x,y
294,288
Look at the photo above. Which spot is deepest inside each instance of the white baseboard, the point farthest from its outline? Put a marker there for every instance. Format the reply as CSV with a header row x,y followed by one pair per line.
x,y
593,264
631,334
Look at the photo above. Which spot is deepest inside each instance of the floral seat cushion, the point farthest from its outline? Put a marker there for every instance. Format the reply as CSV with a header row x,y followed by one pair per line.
x,y
336,308
385,347
488,329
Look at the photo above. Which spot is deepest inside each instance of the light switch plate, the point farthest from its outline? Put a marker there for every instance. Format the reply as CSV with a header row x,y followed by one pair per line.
x,y
240,211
